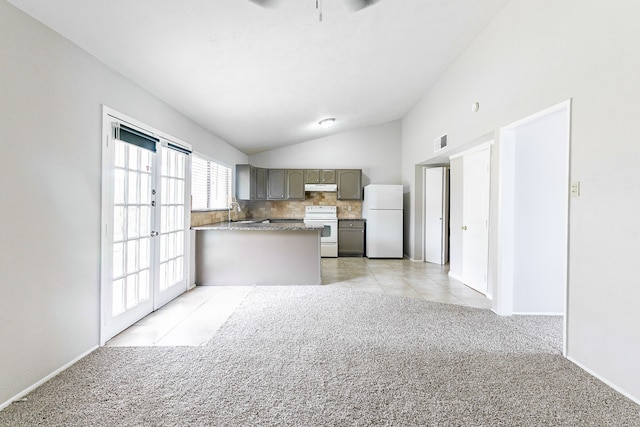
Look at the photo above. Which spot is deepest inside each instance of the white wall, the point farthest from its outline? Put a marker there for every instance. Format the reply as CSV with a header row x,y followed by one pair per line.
x,y
531,56
50,183
375,149
540,215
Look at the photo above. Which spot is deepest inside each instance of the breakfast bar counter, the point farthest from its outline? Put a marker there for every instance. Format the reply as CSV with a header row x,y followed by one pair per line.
x,y
258,253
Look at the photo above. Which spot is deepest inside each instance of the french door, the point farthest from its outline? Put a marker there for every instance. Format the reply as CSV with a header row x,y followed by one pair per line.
x,y
144,257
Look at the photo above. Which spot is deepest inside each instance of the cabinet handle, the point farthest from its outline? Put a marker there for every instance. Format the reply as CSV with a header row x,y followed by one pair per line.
x,y
464,227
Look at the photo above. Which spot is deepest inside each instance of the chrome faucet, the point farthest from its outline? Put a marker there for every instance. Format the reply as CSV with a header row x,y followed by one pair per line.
x,y
231,207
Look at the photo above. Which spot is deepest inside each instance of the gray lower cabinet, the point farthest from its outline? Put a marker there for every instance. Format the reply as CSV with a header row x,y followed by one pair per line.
x,y
350,237
276,184
295,184
349,184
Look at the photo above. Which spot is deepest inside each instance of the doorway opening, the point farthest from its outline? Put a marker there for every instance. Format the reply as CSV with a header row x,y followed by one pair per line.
x,y
534,214
436,215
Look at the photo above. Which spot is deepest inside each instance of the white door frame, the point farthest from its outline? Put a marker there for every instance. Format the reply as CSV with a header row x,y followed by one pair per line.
x,y
503,304
110,115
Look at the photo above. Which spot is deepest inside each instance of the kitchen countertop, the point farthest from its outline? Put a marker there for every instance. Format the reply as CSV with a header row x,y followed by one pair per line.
x,y
258,225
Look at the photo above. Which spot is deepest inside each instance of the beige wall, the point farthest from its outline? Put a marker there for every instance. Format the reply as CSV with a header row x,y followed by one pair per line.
x,y
531,56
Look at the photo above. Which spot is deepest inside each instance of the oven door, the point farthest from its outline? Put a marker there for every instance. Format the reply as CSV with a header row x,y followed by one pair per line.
x,y
329,233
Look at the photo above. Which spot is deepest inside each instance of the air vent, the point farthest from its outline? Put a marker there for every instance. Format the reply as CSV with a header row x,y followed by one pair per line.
x,y
440,143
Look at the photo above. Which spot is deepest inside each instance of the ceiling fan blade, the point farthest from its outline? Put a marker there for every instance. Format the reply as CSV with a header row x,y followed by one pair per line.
x,y
361,4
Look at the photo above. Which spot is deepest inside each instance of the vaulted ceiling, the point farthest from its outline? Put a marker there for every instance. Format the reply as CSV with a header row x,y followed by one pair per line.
x,y
262,77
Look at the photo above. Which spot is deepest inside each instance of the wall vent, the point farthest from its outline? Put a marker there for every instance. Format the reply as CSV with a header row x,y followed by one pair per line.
x,y
440,143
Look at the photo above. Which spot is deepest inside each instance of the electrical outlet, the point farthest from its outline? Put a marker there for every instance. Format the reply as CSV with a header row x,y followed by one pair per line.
x,y
575,189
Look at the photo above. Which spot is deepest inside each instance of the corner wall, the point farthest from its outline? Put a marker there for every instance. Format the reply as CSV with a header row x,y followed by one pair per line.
x,y
50,185
531,56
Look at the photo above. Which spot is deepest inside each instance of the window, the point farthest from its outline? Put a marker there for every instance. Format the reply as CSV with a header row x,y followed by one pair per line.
x,y
210,184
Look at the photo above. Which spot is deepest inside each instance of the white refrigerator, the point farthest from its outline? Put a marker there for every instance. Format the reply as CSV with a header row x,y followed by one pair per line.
x,y
382,208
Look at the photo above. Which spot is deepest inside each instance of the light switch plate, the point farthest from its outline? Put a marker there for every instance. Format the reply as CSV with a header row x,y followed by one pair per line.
x,y
575,189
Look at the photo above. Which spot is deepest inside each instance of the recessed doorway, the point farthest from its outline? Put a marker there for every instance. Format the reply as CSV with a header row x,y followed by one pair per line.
x,y
534,214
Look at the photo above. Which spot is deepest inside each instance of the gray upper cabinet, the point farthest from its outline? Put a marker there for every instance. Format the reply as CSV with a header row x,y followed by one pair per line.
x,y
261,183
349,184
276,184
320,176
254,183
295,184
251,183
245,182
328,176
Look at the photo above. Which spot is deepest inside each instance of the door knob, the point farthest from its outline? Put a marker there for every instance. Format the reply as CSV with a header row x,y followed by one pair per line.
x,y
464,227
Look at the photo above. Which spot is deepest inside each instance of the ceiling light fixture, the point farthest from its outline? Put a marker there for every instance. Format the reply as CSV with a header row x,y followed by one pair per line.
x,y
327,123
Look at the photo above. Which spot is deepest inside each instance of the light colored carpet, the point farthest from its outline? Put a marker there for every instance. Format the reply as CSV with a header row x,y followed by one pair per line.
x,y
312,356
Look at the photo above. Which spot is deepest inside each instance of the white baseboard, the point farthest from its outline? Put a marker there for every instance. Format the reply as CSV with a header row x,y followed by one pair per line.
x,y
455,276
607,382
525,313
45,379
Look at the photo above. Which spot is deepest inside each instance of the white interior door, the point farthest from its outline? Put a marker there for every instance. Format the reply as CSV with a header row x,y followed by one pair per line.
x,y
435,199
145,222
475,219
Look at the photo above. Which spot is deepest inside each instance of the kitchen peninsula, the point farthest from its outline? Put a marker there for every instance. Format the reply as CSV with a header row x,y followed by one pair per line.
x,y
258,253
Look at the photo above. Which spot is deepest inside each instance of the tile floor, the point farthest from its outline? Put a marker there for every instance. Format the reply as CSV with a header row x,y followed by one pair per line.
x,y
193,318
400,277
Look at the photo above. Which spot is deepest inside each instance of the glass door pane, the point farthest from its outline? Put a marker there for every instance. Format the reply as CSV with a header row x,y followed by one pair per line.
x,y
131,235
171,273
128,272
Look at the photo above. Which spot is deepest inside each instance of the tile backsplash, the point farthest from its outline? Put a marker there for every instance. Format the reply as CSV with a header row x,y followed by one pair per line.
x,y
294,209
281,209
211,217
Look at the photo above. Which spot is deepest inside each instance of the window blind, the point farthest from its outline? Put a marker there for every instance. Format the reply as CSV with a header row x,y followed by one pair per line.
x,y
135,137
210,184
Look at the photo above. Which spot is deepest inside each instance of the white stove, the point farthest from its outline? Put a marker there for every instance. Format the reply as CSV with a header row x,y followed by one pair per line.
x,y
328,217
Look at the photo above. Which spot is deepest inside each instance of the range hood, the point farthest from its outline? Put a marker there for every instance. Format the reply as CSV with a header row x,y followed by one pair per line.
x,y
321,187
